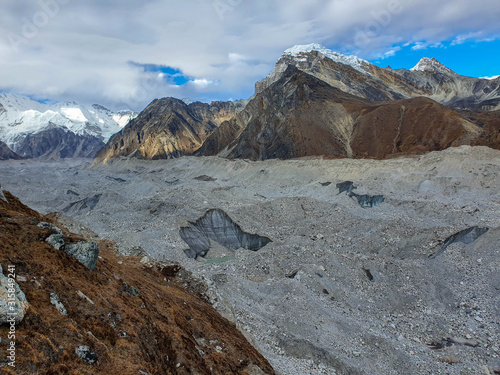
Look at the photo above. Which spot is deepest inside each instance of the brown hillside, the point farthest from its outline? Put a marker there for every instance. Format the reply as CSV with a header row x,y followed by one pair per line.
x,y
408,127
168,329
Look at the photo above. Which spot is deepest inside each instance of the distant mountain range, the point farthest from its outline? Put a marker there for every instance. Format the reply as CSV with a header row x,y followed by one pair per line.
x,y
33,129
317,102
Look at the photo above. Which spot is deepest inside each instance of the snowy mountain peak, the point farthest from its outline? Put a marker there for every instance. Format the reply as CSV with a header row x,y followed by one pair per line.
x,y
353,61
431,65
20,116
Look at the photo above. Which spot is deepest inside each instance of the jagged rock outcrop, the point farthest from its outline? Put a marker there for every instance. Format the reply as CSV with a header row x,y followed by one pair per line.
x,y
86,252
358,77
56,142
167,327
6,153
168,128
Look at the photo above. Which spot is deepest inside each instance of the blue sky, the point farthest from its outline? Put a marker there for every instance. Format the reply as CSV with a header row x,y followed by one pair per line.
x,y
125,53
471,58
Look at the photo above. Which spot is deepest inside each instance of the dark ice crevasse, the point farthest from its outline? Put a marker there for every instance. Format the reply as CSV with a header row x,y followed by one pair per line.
x,y
466,236
217,226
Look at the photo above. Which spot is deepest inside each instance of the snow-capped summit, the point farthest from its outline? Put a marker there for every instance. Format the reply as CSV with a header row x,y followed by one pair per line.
x,y
33,129
20,116
353,61
432,66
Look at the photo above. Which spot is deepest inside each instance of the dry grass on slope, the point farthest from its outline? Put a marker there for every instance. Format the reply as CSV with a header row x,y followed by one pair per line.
x,y
167,329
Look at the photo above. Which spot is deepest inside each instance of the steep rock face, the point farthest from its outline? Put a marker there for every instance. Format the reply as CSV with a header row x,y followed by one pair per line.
x,y
168,128
354,77
300,115
6,153
359,77
165,326
56,142
318,102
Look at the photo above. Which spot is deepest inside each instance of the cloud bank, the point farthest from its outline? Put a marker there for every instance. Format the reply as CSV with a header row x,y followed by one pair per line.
x,y
125,53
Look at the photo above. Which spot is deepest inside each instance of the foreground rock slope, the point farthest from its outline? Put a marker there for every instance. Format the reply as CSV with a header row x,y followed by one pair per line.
x,y
125,317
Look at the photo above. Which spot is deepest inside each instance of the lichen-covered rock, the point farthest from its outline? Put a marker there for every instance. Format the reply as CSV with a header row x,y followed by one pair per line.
x,y
86,354
54,299
128,289
85,252
45,225
13,303
56,241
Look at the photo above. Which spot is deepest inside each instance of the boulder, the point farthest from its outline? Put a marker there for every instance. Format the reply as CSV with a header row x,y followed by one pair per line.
x,y
13,303
56,241
85,252
45,225
86,355
54,299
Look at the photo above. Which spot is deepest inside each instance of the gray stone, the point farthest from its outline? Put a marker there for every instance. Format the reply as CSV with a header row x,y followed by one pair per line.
x,y
85,252
45,225
86,354
56,241
13,302
130,290
2,197
54,299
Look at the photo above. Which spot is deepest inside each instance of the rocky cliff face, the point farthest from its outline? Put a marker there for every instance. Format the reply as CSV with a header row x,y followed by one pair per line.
x,y
124,317
428,78
300,115
168,128
56,142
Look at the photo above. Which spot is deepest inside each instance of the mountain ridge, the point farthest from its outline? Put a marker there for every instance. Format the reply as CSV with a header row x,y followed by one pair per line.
x,y
23,120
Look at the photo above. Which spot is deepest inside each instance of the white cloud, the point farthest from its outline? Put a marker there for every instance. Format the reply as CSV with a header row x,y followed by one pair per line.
x,y
390,53
203,83
81,50
424,45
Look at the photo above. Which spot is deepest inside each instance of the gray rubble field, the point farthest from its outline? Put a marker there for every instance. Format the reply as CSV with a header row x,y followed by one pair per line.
x,y
342,288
